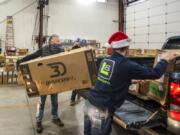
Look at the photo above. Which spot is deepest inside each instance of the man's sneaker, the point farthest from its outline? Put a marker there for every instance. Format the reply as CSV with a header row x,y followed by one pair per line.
x,y
72,103
39,127
58,122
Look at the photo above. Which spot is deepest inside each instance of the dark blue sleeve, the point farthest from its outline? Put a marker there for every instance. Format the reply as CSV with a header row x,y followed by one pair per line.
x,y
137,71
34,55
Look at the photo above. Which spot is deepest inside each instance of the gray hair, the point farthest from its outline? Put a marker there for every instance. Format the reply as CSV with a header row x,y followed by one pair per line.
x,y
51,37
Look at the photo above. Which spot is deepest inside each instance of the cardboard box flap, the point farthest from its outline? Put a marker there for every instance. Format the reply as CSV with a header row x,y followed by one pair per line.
x,y
59,54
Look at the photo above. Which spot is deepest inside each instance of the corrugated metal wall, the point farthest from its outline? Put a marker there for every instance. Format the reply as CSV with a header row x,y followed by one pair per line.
x,y
150,22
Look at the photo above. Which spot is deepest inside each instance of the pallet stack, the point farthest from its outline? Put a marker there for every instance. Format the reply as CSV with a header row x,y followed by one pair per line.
x,y
8,71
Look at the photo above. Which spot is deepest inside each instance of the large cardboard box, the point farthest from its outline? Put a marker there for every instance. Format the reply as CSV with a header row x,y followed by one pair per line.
x,y
22,51
12,77
2,58
134,88
157,92
9,67
5,77
92,42
61,72
144,87
134,52
158,89
150,52
174,65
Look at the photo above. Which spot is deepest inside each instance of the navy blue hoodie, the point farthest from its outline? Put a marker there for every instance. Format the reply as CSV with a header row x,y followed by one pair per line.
x,y
114,77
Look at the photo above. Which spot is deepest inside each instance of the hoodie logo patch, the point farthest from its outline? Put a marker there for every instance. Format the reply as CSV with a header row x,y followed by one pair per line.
x,y
106,69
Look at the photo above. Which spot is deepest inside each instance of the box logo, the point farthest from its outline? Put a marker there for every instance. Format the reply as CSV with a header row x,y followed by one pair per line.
x,y
59,69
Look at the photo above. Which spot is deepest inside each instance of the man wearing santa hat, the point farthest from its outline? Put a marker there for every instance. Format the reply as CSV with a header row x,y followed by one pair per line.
x,y
112,84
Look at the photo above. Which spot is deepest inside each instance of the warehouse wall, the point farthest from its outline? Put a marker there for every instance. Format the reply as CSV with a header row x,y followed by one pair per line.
x,y
23,22
68,18
150,22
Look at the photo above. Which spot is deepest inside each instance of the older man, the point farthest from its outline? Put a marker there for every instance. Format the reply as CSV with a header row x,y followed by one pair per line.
x,y
54,47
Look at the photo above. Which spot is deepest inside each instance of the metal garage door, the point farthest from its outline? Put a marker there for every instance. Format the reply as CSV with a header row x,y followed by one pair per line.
x,y
149,22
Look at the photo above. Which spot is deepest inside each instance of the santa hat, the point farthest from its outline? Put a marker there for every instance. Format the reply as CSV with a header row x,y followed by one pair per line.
x,y
119,40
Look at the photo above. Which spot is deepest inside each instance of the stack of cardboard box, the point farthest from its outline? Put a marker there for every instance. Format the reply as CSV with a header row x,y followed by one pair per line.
x,y
151,52
2,58
92,42
158,89
134,88
9,67
8,73
134,52
8,77
100,52
22,51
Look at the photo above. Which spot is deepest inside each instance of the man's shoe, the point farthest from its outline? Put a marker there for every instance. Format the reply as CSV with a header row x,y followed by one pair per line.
x,y
58,122
39,127
72,103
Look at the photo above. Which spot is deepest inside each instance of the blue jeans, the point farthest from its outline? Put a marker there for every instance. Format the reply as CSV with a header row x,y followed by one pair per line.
x,y
96,121
41,105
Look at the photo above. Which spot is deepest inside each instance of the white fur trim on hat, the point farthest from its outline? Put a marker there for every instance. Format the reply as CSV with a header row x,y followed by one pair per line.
x,y
121,43
107,45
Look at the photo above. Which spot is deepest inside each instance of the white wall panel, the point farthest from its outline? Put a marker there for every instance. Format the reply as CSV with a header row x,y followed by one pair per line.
x,y
172,34
157,38
141,7
130,32
153,29
155,3
129,24
129,17
130,10
173,17
160,10
171,1
141,22
141,30
172,7
155,21
173,27
141,46
141,15
141,38
156,45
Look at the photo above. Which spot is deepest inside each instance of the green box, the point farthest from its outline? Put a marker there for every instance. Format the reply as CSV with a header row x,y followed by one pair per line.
x,y
157,92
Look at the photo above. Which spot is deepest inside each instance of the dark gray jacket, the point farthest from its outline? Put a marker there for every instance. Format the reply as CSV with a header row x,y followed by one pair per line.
x,y
44,51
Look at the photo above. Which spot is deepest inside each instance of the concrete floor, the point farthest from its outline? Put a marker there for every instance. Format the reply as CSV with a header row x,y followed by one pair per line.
x,y
17,114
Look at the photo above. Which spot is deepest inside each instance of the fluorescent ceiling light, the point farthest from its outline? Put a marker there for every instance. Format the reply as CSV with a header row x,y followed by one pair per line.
x,y
86,2
102,1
